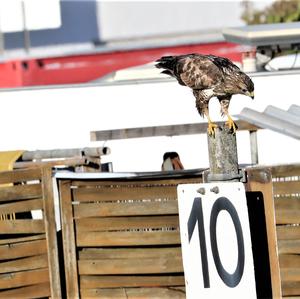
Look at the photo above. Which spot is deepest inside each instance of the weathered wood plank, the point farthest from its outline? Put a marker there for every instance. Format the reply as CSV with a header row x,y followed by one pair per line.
x,y
125,223
290,267
24,278
124,193
27,263
50,228
128,253
289,187
40,290
135,293
287,216
21,175
289,246
115,281
287,203
291,288
290,274
22,226
288,232
289,261
22,239
133,182
127,238
18,250
128,266
69,240
286,170
126,209
21,206
169,130
20,192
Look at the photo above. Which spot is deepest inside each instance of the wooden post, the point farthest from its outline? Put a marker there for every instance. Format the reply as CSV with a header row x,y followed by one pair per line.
x,y
51,233
68,234
223,159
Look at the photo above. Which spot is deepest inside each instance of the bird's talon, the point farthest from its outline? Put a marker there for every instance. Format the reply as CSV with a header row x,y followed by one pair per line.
x,y
232,126
211,129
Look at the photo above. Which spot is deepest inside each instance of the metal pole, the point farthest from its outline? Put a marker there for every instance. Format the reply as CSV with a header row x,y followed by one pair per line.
x,y
25,30
253,147
223,158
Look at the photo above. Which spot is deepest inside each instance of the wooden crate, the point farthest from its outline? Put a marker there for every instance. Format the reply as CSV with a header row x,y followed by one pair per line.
x,y
28,248
286,188
122,238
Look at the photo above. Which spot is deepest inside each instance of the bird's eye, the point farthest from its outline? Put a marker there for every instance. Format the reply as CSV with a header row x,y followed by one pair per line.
x,y
244,90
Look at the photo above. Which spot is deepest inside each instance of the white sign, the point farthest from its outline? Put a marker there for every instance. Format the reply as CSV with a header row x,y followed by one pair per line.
x,y
216,242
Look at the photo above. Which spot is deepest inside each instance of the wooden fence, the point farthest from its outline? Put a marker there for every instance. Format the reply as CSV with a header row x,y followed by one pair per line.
x,y
28,248
286,188
123,238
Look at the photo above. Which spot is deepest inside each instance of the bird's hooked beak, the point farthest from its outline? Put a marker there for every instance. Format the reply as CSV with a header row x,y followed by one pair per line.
x,y
251,95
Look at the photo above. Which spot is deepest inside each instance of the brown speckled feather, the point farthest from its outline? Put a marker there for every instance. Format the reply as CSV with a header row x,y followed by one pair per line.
x,y
198,72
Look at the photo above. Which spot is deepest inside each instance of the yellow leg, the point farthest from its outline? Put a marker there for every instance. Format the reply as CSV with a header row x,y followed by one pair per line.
x,y
231,124
211,127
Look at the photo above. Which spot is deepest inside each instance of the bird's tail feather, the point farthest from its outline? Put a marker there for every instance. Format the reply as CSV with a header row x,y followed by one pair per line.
x,y
167,63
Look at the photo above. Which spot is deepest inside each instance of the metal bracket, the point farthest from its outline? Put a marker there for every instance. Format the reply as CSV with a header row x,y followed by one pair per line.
x,y
225,177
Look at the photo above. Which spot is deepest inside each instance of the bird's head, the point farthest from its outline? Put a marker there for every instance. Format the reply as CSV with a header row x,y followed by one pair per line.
x,y
246,87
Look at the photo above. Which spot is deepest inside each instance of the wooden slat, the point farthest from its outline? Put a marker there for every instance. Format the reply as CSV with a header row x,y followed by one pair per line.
x,y
22,239
40,290
27,263
288,232
160,182
19,250
115,281
289,187
289,246
289,261
135,293
127,238
286,170
128,266
22,226
123,193
290,267
288,216
169,130
129,253
68,234
20,175
22,206
126,209
50,228
291,288
18,279
125,223
20,192
290,274
287,203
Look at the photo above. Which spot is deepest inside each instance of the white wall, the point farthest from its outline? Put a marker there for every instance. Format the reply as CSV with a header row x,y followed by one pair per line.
x,y
131,19
64,117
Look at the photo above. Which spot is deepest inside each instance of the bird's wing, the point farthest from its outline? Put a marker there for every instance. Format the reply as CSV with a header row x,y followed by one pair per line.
x,y
198,72
223,64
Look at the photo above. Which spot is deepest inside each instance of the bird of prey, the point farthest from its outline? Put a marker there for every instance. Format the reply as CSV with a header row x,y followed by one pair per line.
x,y
208,76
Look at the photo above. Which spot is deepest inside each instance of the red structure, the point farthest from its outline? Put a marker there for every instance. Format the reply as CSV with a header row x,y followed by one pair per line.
x,y
87,67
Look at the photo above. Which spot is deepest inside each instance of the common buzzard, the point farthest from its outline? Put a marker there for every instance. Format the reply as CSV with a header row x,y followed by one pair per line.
x,y
208,76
